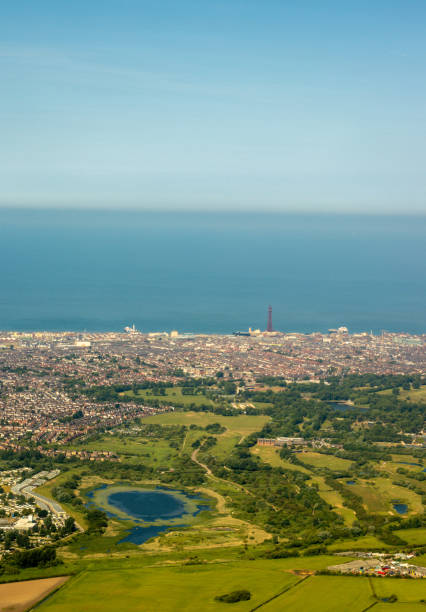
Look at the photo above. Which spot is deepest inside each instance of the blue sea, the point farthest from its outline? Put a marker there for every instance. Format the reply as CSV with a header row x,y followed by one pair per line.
x,y
210,272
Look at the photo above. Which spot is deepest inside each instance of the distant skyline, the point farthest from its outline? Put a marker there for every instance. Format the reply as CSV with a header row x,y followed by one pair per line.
x,y
214,105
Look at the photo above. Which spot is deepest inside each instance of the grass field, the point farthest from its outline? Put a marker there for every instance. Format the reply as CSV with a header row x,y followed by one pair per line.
x,y
334,498
399,607
420,560
378,493
172,395
270,454
225,444
144,585
413,536
325,594
191,588
324,461
414,395
362,543
153,452
406,590
242,424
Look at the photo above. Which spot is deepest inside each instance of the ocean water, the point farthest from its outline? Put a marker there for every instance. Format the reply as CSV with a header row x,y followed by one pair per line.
x,y
100,271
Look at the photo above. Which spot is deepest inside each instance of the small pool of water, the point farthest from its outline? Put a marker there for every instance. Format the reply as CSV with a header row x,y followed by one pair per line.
x,y
350,482
400,508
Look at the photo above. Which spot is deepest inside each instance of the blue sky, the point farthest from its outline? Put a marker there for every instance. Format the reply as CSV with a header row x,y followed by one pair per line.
x,y
220,104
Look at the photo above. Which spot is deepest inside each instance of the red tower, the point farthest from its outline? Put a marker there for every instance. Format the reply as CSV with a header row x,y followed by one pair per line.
x,y
269,326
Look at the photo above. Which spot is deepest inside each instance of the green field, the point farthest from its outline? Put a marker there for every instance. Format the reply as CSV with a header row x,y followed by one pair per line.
x,y
173,394
148,586
378,494
164,589
406,590
153,452
413,536
325,594
399,607
320,460
334,498
270,454
414,395
243,424
361,543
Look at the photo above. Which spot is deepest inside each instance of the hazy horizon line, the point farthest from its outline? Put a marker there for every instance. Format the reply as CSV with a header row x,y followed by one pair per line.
x,y
216,210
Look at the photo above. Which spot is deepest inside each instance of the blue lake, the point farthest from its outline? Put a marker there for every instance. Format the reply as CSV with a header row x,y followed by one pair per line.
x,y
400,508
147,505
153,511
139,535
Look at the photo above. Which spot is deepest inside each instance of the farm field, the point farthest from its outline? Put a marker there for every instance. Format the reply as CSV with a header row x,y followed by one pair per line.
x,y
149,586
406,590
324,461
325,594
191,588
19,596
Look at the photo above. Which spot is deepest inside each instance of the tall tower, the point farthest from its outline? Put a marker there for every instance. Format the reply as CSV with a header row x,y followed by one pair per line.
x,y
269,326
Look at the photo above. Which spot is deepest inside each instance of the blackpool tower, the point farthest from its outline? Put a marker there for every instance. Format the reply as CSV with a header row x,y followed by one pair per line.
x,y
269,326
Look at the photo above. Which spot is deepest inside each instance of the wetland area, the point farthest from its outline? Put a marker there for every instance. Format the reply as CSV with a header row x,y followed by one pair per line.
x,y
148,511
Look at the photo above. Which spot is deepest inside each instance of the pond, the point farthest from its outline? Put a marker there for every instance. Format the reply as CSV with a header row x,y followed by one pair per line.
x,y
150,511
350,482
400,508
148,505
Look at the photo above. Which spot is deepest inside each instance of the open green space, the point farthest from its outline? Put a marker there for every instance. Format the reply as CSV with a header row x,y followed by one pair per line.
x,y
335,499
406,590
172,394
271,455
191,588
413,395
378,495
320,460
325,594
367,542
146,584
413,536
225,443
399,607
153,452
243,424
